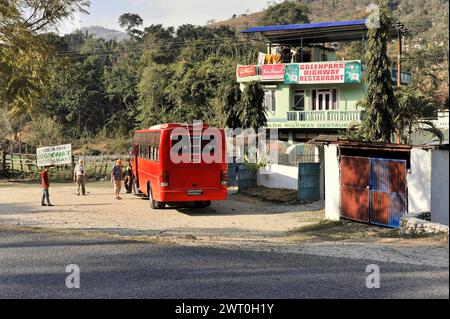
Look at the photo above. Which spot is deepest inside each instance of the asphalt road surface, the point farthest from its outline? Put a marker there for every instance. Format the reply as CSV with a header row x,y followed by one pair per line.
x,y
33,265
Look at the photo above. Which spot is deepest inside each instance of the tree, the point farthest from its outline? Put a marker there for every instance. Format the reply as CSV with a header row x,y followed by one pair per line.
x,y
24,55
44,131
411,114
287,12
378,125
252,111
231,98
130,22
121,81
154,104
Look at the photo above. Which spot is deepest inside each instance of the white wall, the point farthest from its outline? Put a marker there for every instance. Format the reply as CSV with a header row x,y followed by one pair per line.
x,y
419,181
332,183
278,176
439,187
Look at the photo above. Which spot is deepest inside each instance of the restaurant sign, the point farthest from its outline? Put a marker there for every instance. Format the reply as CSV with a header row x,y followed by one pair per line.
x,y
330,72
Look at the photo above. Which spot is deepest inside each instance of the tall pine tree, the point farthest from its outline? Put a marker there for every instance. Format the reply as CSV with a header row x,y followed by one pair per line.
x,y
378,125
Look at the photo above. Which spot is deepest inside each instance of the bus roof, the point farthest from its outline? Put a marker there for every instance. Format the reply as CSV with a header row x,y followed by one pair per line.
x,y
169,126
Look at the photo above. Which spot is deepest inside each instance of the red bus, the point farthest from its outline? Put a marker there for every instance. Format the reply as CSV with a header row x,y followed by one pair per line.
x,y
172,164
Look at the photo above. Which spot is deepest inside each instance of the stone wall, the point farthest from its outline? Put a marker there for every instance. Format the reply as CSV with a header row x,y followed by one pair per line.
x,y
419,223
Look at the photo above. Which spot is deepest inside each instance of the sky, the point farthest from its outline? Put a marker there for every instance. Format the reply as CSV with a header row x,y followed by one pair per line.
x,y
167,12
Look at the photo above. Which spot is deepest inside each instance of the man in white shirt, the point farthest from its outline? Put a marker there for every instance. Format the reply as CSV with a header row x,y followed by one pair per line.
x,y
79,177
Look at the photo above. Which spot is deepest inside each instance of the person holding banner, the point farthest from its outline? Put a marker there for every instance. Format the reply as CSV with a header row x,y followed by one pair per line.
x,y
45,186
79,177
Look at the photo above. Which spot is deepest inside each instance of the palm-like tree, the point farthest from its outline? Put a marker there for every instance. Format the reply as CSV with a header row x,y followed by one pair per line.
x,y
412,113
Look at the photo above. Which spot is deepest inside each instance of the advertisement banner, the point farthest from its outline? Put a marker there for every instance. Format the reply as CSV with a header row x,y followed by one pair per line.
x,y
291,74
329,72
353,72
247,70
54,155
272,72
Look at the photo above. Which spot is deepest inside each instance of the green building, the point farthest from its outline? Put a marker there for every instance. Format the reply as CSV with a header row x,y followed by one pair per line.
x,y
308,90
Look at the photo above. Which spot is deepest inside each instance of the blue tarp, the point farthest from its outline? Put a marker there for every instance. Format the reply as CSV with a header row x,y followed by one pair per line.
x,y
307,26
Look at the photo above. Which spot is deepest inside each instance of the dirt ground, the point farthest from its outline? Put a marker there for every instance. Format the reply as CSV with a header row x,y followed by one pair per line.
x,y
242,222
239,217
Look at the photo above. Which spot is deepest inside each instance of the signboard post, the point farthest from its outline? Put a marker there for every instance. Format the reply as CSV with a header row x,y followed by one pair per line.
x,y
54,155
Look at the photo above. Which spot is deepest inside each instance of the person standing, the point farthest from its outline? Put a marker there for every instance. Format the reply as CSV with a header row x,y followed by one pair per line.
x,y
116,178
45,186
79,177
128,178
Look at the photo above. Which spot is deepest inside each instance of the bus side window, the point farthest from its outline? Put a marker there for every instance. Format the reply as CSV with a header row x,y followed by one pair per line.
x,y
209,145
154,155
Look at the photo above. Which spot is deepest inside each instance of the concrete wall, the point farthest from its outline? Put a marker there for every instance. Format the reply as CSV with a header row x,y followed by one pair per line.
x,y
278,176
332,183
419,181
439,187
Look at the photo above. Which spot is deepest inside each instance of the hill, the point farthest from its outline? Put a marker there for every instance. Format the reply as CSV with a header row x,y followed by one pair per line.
x,y
105,33
424,18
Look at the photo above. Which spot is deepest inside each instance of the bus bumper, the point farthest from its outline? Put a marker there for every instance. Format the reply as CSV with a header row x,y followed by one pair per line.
x,y
186,195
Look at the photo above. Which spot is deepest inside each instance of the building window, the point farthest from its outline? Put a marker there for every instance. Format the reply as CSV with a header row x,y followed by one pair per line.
x,y
270,100
325,99
299,100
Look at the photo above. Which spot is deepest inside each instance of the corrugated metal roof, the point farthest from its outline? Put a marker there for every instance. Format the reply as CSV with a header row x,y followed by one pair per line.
x,y
314,33
318,25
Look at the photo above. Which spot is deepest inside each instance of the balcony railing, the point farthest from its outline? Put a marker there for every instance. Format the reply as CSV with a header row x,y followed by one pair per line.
x,y
324,116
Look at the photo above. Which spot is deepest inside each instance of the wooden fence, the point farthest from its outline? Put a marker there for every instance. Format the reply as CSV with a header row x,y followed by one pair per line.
x,y
24,165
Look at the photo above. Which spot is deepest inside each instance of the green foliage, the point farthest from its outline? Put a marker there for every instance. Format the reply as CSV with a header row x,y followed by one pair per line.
x,y
252,112
130,22
90,87
286,12
378,124
230,99
44,131
413,108
24,56
119,145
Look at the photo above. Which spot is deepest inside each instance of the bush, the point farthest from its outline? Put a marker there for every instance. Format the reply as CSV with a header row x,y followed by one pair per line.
x,y
119,146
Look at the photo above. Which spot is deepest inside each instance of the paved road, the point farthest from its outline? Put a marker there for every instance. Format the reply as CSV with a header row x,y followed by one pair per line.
x,y
32,265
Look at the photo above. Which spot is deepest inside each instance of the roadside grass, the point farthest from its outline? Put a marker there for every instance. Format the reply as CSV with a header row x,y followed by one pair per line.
x,y
348,230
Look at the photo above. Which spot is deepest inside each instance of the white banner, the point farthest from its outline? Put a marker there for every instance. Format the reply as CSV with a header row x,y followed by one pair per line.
x,y
54,155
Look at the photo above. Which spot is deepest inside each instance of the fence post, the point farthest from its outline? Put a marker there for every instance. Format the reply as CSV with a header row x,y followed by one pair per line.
x,y
3,162
95,165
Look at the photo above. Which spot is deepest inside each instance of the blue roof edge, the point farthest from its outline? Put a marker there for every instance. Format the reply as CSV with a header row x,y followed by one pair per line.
x,y
317,25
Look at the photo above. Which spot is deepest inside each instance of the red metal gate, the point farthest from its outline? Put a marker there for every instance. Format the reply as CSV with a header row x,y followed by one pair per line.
x,y
373,190
355,191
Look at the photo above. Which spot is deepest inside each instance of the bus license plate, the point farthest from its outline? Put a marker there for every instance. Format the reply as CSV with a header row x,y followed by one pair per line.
x,y
195,193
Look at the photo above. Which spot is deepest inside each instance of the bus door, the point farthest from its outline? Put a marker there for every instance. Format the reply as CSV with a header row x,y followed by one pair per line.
x,y
135,163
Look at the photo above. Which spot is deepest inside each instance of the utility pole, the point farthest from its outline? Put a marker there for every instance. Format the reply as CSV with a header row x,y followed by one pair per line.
x,y
399,58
